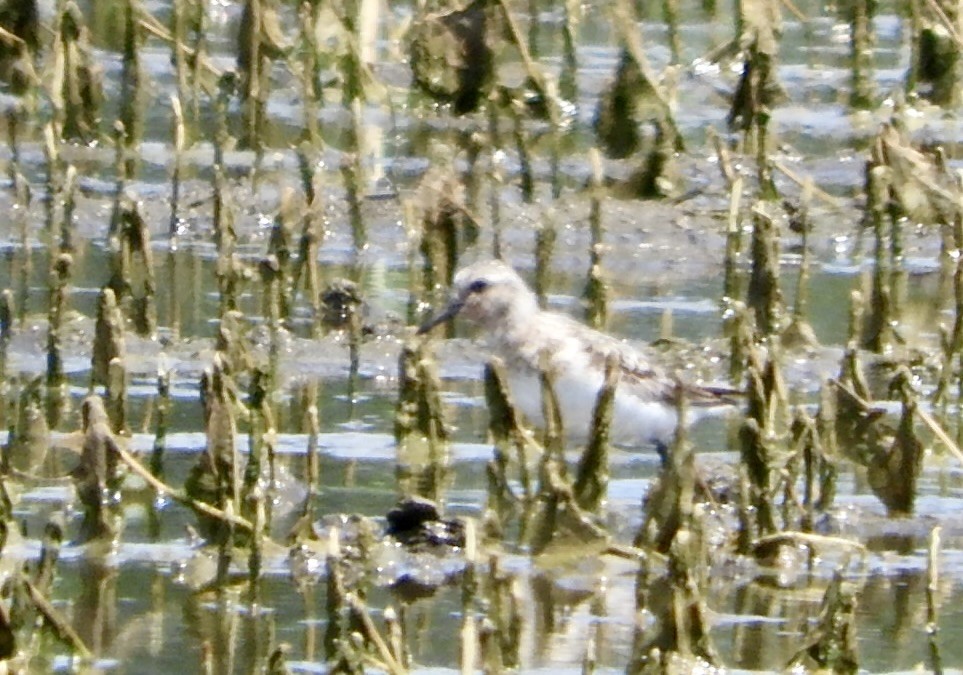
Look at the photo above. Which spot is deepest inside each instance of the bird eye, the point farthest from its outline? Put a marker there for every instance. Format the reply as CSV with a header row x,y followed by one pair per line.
x,y
477,286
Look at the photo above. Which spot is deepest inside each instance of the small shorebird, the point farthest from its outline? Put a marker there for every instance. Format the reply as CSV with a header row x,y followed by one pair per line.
x,y
491,295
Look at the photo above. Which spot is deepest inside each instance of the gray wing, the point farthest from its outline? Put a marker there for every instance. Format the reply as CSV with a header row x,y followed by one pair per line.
x,y
647,379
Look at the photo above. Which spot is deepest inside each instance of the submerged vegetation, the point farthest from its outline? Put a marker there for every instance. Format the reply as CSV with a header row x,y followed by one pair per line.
x,y
227,449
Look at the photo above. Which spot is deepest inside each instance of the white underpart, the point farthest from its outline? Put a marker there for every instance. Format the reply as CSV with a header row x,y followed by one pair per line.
x,y
577,381
635,422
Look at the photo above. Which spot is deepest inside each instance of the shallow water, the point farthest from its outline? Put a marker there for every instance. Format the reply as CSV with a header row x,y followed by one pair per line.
x,y
137,607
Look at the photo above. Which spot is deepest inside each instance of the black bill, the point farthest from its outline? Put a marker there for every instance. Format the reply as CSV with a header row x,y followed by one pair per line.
x,y
450,312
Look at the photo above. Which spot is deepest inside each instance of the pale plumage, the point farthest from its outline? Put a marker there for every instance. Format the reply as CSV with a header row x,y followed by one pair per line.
x,y
491,295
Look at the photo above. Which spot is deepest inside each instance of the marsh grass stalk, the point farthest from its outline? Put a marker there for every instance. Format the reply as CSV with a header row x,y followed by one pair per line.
x,y
21,265
182,496
355,329
225,554
894,468
878,332
53,537
7,313
310,73
174,285
857,322
666,508
271,280
55,621
553,436
855,418
120,179
335,600
97,477
805,439
830,645
959,402
261,424
395,630
77,105
798,512
592,474
199,65
442,221
255,503
567,79
15,118
952,344
311,424
506,615
253,64
764,295
352,175
591,657
596,291
933,598
495,180
366,639
264,432
179,56
231,274
69,205
670,13
216,477
526,176
545,518
421,432
546,235
741,329
469,635
353,98
507,433
29,437
799,334
764,178
59,284
488,640
224,235
310,605
534,27
647,87
177,167
758,439
53,184
131,81
826,435
163,408
312,234
418,292
914,25
745,534
556,516
109,340
937,47
673,525
473,144
117,396
545,92
277,663
132,273
860,15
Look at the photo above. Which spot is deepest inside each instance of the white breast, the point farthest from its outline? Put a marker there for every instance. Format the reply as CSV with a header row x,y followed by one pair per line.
x,y
635,422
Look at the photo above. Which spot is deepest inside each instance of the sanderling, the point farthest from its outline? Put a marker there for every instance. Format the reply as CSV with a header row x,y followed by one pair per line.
x,y
493,296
